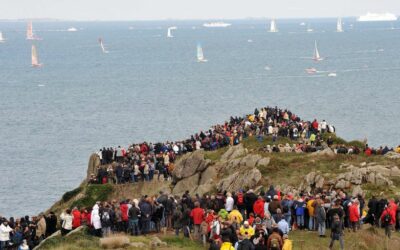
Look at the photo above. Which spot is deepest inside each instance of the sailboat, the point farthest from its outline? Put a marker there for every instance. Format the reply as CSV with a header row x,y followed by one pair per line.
x,y
102,46
35,59
29,33
273,28
317,56
2,40
169,33
200,55
339,26
309,29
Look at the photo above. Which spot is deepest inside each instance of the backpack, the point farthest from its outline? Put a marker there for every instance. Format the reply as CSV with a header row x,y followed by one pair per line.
x,y
105,217
275,244
240,199
387,218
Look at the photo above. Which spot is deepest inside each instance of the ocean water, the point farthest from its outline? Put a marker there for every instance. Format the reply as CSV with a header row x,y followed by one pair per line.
x,y
150,88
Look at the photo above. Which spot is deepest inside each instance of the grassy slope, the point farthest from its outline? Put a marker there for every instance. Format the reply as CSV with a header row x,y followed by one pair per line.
x,y
290,168
82,240
367,238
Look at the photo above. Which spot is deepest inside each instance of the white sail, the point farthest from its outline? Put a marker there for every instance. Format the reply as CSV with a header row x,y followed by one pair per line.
x,y
317,56
102,46
169,33
35,59
200,54
273,26
1,38
339,26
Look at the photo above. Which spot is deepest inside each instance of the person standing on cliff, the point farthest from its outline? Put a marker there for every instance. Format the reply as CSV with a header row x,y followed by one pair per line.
x,y
354,215
41,227
95,219
197,215
51,224
337,232
5,231
66,218
388,219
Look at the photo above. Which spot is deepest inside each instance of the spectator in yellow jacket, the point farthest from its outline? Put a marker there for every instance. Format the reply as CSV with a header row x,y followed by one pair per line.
x,y
310,208
235,216
246,230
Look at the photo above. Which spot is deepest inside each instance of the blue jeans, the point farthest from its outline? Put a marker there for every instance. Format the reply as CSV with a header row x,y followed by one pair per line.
x,y
134,226
3,245
133,178
300,220
321,228
146,225
311,223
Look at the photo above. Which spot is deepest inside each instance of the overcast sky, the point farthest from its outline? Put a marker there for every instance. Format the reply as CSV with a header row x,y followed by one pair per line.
x,y
190,9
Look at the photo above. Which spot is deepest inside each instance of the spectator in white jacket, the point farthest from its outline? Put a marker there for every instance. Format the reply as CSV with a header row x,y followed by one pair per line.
x,y
96,222
66,225
229,202
5,231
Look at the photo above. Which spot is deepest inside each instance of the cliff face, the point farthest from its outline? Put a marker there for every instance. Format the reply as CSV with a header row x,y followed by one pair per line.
x,y
241,168
235,170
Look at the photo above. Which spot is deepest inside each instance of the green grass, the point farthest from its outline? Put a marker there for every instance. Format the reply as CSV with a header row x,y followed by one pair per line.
x,y
93,193
338,140
83,240
368,238
216,154
182,243
76,241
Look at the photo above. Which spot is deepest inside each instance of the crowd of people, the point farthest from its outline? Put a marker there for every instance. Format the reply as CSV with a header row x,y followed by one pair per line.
x,y
142,161
241,220
26,232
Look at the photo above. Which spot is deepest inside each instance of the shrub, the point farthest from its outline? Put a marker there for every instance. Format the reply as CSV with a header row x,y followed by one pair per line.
x,y
70,194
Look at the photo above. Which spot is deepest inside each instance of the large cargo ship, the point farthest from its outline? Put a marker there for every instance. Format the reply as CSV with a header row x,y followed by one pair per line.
x,y
374,17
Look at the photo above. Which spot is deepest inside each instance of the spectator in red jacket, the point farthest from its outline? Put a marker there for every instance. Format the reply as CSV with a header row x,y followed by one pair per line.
x,y
368,151
76,218
388,219
124,215
197,215
258,207
85,217
354,215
